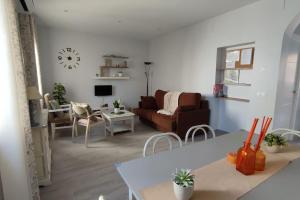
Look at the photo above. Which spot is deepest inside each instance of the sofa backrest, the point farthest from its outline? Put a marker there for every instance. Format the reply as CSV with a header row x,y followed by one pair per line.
x,y
185,99
190,99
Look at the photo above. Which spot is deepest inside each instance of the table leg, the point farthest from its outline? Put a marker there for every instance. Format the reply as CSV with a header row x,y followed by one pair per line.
x,y
111,128
132,125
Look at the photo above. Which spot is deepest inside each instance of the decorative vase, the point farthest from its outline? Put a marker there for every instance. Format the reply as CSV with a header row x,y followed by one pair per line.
x,y
120,74
116,110
273,148
183,193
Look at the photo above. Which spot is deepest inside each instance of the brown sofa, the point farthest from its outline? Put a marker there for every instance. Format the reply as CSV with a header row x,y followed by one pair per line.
x,y
192,110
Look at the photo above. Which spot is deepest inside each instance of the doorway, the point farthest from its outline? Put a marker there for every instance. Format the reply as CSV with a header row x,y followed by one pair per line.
x,y
287,107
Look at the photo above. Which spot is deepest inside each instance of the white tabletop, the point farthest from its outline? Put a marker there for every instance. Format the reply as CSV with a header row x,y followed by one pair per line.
x,y
110,115
145,172
282,186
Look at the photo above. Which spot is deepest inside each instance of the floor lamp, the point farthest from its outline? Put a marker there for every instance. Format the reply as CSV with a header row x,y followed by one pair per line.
x,y
147,73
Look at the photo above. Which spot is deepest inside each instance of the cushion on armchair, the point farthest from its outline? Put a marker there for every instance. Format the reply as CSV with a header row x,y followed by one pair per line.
x,y
54,105
159,98
82,110
148,102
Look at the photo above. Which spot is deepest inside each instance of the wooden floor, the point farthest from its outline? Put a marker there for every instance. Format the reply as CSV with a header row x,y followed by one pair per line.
x,y
81,173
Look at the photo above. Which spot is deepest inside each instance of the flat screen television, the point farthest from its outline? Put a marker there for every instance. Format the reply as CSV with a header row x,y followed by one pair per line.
x,y
103,90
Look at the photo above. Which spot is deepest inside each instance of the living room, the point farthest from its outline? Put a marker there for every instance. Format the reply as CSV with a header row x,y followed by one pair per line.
x,y
128,72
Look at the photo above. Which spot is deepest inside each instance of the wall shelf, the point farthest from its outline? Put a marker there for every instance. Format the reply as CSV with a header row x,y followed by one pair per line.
x,y
115,67
112,78
224,69
237,84
115,57
113,63
235,99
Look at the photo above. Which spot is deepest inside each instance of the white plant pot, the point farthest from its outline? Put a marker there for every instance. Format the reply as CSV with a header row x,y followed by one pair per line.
x,y
273,149
116,110
183,193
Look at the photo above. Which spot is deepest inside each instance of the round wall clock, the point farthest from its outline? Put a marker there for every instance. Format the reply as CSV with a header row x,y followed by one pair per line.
x,y
68,58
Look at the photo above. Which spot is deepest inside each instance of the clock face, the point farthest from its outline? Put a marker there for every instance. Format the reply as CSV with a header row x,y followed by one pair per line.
x,y
68,58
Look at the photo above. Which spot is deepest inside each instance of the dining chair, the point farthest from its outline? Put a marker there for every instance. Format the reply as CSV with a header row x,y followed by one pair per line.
x,y
285,132
194,129
60,116
155,138
83,116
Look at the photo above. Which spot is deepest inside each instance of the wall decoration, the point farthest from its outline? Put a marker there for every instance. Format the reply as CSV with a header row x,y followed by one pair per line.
x,y
68,58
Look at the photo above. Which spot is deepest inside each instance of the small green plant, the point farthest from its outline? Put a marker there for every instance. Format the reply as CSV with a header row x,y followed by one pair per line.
x,y
117,103
184,178
272,139
58,93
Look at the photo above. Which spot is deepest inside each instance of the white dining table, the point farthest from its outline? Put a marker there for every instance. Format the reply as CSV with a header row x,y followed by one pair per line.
x,y
149,171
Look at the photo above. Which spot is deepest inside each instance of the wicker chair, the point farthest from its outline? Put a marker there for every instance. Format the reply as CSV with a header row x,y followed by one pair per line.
x,y
60,118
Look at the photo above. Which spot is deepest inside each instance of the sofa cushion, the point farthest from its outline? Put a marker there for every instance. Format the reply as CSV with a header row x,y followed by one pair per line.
x,y
146,114
148,102
159,98
190,99
164,122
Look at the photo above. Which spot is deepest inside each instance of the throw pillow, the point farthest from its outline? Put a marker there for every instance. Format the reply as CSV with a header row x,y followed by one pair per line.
x,y
54,106
148,102
82,110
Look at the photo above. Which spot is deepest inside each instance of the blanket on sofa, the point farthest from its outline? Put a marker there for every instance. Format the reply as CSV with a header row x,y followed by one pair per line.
x,y
170,103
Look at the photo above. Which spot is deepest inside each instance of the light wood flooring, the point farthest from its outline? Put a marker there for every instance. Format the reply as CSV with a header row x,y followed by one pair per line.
x,y
80,173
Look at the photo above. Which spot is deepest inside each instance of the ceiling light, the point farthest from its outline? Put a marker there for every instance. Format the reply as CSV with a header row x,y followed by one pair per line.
x,y
66,10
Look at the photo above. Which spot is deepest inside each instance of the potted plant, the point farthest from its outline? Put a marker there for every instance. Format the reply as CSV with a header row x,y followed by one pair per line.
x,y
274,142
58,93
183,184
116,105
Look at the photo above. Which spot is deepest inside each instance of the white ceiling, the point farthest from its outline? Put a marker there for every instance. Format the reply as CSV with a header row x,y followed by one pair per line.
x,y
138,19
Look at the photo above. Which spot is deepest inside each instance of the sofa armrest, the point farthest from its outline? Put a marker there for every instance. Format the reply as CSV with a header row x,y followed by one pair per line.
x,y
187,119
186,108
148,102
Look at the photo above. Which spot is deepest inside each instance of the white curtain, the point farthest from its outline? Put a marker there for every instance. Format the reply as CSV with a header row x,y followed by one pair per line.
x,y
17,162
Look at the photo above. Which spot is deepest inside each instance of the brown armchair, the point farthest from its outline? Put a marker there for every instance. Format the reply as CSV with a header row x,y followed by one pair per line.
x,y
192,110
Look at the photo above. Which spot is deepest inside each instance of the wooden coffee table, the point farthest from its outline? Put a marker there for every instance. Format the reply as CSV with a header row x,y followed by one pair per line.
x,y
111,119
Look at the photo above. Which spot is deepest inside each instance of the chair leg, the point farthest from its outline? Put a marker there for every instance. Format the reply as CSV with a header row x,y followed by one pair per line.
x,y
105,133
53,130
73,128
87,130
76,130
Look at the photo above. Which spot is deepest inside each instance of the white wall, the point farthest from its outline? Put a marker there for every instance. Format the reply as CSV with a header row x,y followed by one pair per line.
x,y
186,59
78,82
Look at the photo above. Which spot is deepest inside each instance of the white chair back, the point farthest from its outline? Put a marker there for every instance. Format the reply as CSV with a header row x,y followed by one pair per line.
x,y
194,129
286,132
158,137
